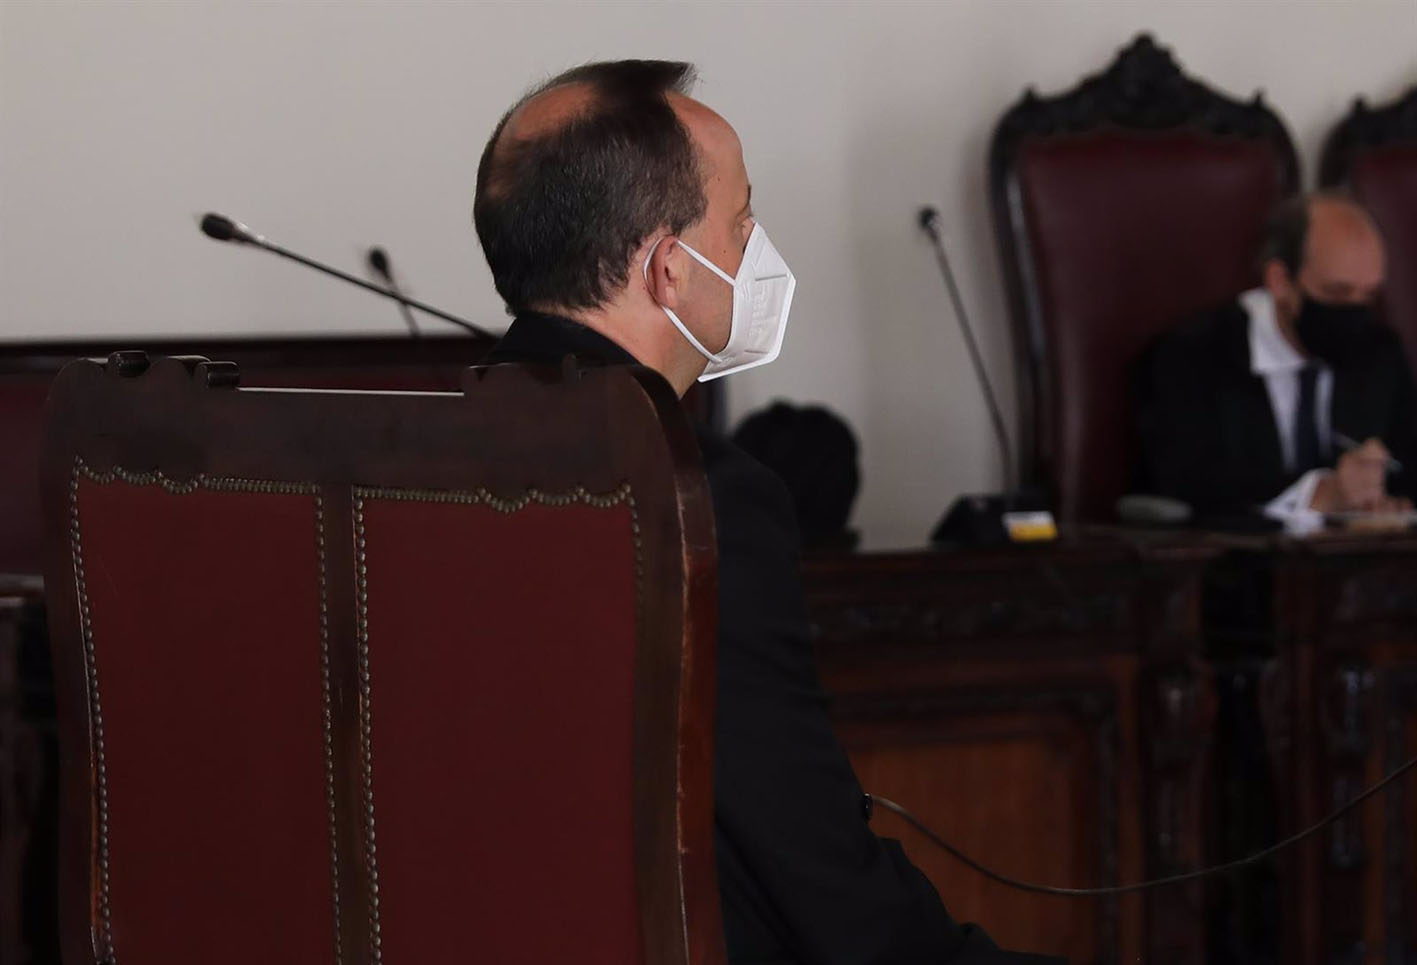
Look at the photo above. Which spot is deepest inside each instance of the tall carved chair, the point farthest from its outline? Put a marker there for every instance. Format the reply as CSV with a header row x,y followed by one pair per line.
x,y
1373,153
1120,206
360,677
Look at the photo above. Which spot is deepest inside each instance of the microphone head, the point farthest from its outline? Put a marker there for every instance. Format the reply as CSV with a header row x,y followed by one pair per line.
x,y
929,219
222,228
379,262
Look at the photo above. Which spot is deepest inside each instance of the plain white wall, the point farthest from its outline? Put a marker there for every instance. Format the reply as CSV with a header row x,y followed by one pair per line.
x,y
332,126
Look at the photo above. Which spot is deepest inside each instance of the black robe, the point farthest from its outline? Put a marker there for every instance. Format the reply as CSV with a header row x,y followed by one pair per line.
x,y
802,878
1206,426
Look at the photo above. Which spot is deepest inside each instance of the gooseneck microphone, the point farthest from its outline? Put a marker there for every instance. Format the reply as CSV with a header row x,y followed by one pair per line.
x,y
379,264
929,219
222,228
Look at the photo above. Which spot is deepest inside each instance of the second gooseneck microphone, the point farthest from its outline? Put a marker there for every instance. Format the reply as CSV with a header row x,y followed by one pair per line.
x,y
222,228
929,220
379,264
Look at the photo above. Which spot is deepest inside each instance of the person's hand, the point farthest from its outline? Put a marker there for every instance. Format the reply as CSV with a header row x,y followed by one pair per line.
x,y
1359,483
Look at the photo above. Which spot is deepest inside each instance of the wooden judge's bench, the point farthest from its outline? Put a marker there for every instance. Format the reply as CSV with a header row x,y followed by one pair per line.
x,y
1111,707
1123,705
1044,708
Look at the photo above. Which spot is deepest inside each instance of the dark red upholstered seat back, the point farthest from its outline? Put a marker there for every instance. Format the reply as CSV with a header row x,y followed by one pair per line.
x,y
1128,234
365,677
502,685
1373,152
1120,210
204,669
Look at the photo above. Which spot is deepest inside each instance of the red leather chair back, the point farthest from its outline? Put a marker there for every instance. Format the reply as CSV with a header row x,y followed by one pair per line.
x,y
1373,152
201,615
1122,206
354,677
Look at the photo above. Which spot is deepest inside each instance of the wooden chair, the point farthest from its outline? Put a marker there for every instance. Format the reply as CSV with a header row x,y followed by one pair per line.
x,y
355,677
1373,153
1121,206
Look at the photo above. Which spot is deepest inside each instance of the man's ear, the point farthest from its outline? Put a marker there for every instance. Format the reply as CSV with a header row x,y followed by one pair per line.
x,y
1275,276
665,275
1283,286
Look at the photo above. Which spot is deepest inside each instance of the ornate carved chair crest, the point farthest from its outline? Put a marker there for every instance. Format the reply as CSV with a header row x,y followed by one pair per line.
x,y
1120,206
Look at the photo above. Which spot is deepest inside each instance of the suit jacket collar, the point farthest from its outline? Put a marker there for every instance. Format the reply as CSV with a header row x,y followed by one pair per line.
x,y
1243,396
1267,351
539,337
1270,351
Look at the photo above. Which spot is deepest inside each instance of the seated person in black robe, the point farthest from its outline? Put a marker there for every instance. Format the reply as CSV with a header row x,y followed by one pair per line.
x,y
614,212
1291,401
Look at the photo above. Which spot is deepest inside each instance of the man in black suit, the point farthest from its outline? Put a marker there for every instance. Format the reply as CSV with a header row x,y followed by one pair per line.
x,y
614,212
1293,400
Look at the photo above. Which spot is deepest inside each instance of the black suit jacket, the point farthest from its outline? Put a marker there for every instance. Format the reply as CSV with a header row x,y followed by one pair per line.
x,y
1206,426
802,878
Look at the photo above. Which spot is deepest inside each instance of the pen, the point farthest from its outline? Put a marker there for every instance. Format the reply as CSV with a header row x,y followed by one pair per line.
x,y
1347,443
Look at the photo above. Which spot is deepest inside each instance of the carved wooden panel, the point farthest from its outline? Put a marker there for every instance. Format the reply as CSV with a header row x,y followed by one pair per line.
x,y
1024,778
1399,828
1350,616
1043,709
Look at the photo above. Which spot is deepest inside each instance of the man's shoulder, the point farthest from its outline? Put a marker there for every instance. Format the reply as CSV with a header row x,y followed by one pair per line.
x,y
1210,339
1223,323
747,495
730,470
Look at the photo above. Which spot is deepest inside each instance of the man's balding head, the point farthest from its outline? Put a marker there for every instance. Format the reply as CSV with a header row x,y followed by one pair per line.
x,y
578,174
1323,246
542,114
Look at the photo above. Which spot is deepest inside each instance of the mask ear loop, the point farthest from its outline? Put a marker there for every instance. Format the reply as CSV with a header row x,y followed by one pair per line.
x,y
710,265
684,329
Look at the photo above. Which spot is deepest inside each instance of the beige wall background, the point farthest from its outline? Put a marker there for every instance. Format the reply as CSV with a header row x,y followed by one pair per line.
x,y
330,126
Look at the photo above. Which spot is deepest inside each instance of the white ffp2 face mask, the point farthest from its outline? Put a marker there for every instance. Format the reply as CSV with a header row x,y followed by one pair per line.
x,y
762,297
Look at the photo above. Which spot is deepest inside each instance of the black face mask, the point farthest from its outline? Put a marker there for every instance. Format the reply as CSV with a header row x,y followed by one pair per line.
x,y
1328,330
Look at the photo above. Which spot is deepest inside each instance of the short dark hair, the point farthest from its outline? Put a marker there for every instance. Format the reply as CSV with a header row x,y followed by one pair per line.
x,y
1286,233
560,213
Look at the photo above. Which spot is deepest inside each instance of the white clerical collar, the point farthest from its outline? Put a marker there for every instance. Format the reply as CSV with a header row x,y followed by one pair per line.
x,y
1270,351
